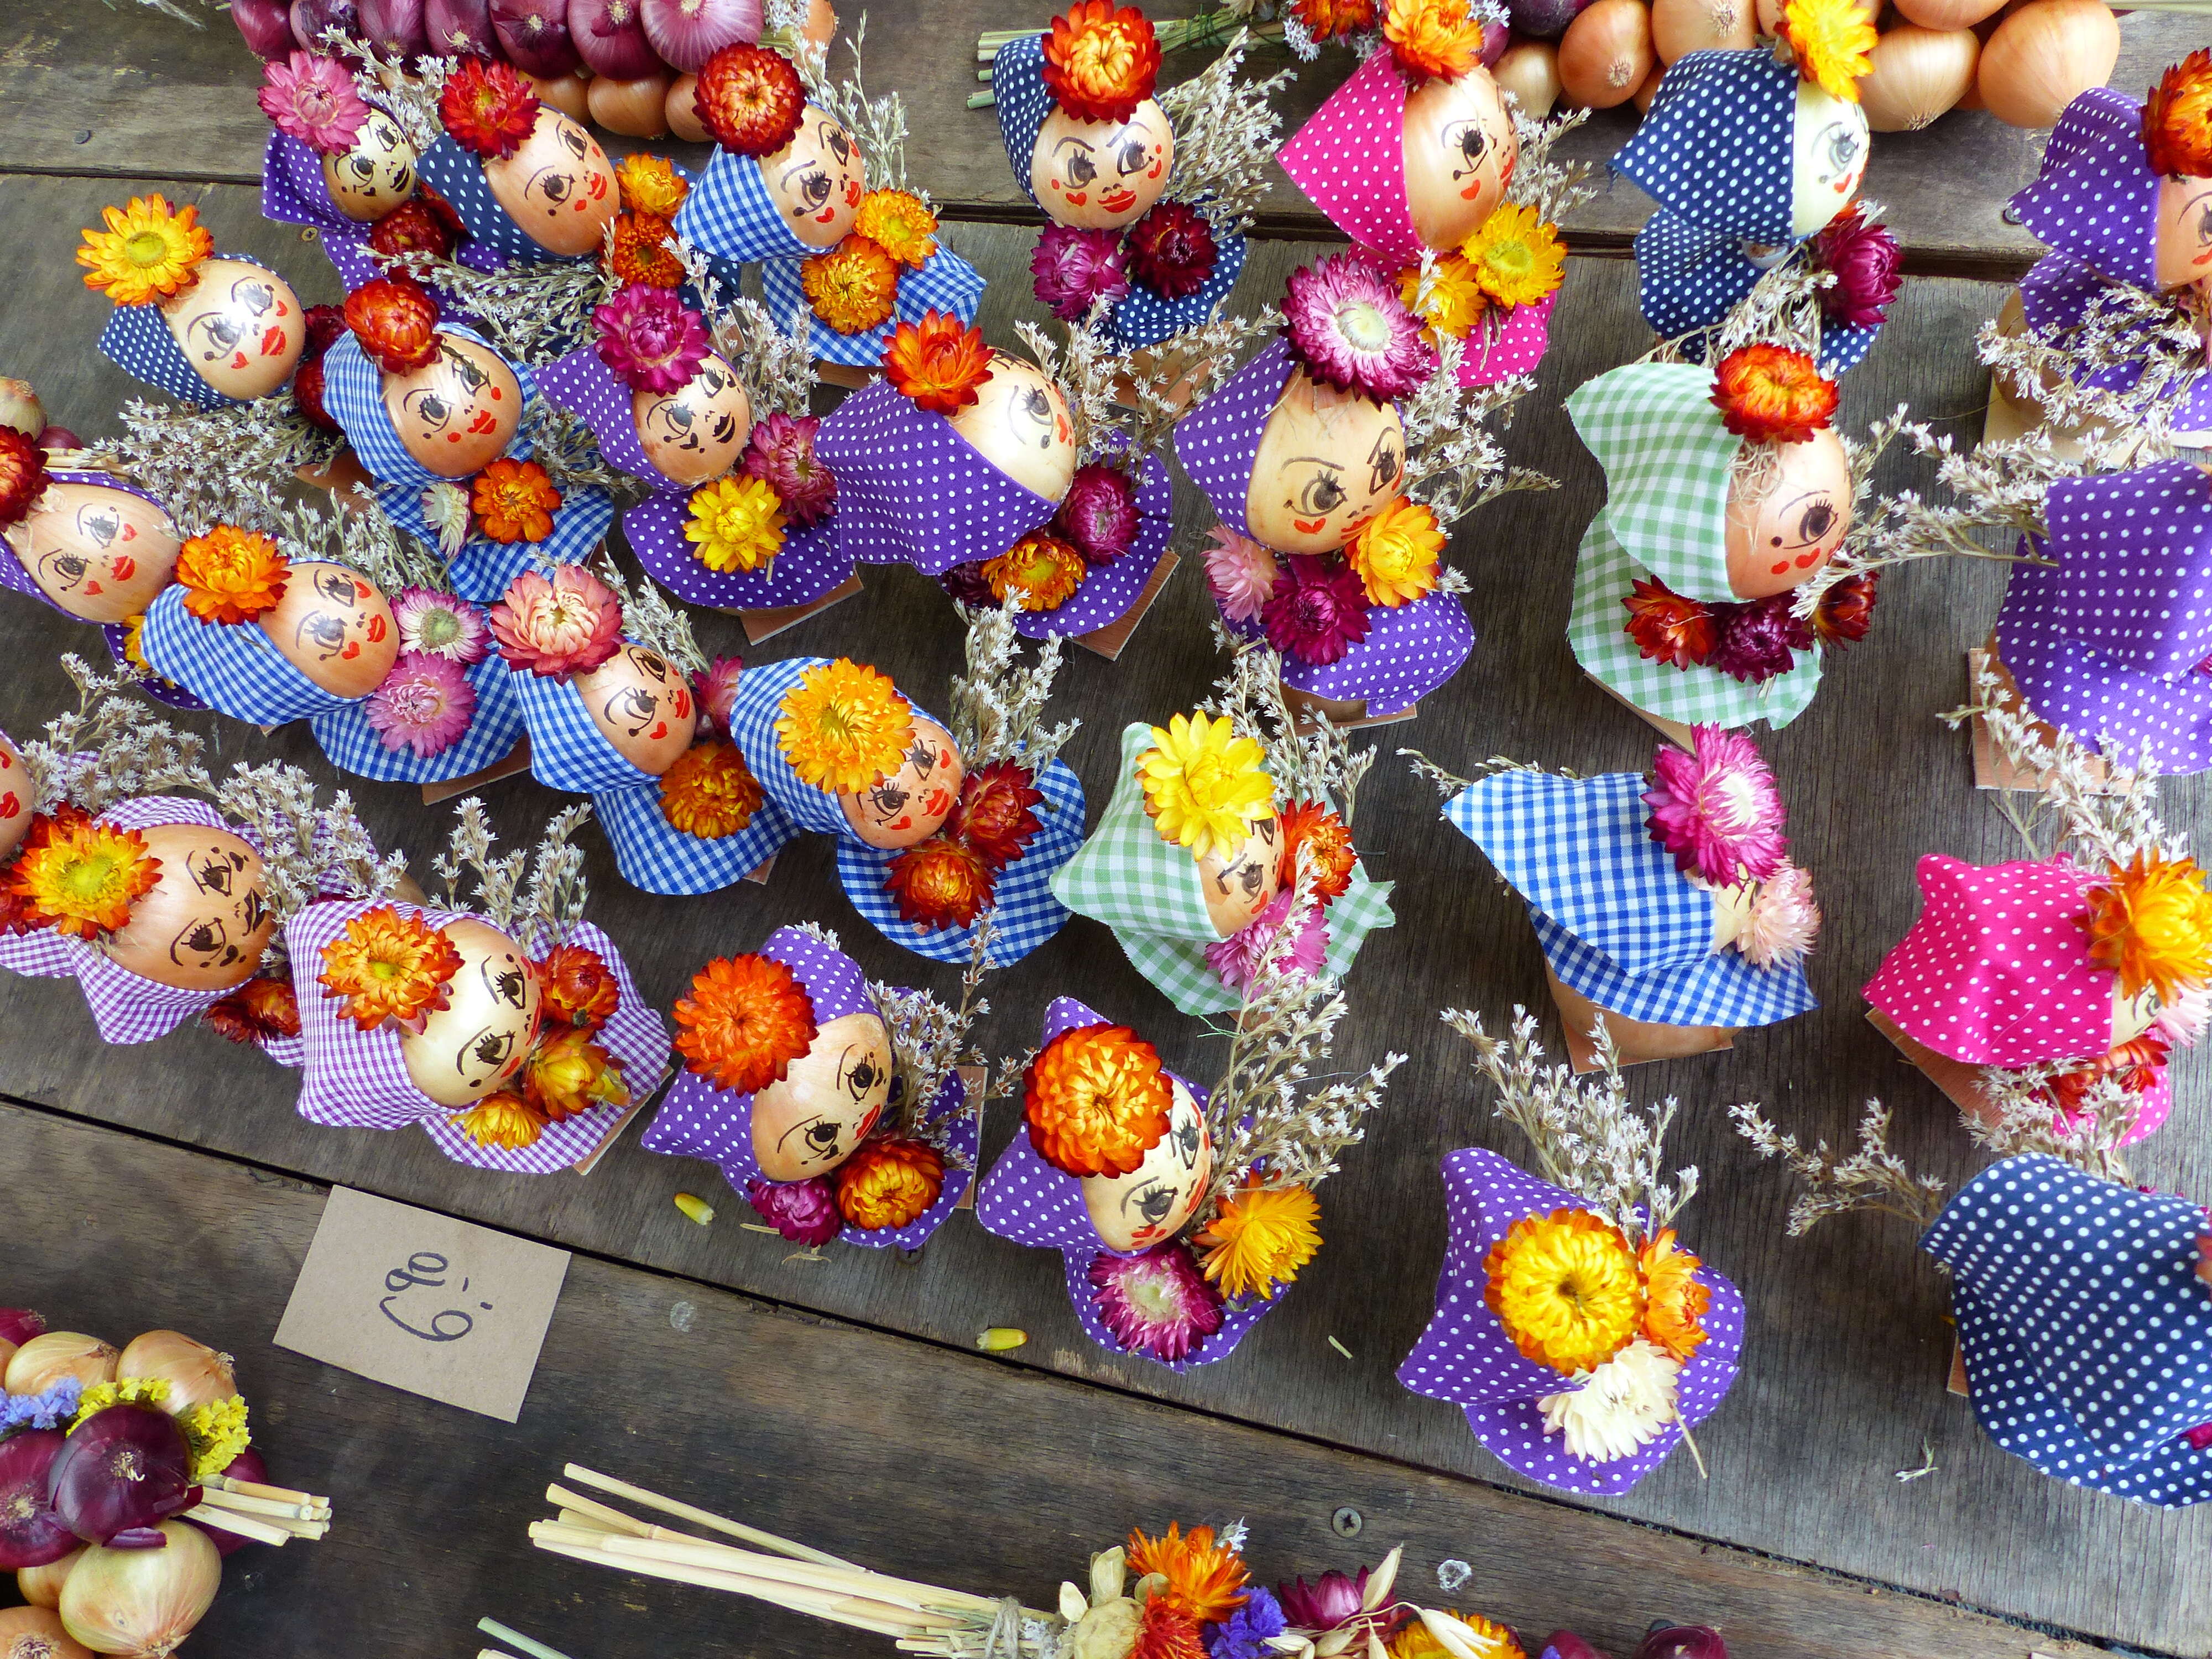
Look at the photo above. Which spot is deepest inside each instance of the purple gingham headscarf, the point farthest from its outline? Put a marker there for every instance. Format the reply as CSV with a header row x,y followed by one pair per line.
x,y
2096,197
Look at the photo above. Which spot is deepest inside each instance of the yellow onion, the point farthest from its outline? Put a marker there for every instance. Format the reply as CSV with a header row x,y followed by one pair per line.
x,y
44,1360
1948,13
635,109
2044,56
680,109
36,1632
1650,89
566,93
1530,71
1918,73
1681,26
1605,53
205,922
19,408
196,1374
141,1603
42,1586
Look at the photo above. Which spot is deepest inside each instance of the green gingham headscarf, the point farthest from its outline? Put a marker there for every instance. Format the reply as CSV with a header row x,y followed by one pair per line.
x,y
1149,891
1667,456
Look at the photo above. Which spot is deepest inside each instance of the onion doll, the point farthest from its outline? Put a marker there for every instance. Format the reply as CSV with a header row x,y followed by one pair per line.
x,y
1667,909
341,166
1147,199
528,183
1582,1340
503,1024
1754,157
789,186
94,547
834,1104
1416,154
1195,863
448,427
1180,1216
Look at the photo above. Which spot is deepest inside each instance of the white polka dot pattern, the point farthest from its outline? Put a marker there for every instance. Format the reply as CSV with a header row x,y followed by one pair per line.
x,y
1107,590
294,193
1716,147
1688,278
138,338
457,175
1218,442
1350,159
2095,197
1024,103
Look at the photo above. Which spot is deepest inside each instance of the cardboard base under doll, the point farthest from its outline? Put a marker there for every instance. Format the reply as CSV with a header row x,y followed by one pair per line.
x,y
1962,1085
1991,769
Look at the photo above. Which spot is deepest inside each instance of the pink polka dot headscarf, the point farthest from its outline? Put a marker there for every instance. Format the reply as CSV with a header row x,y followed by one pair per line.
x,y
1350,159
1997,971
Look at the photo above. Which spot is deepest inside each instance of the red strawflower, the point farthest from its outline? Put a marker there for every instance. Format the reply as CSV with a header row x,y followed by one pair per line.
x,y
1099,515
449,214
1864,259
992,814
1846,611
1316,612
1072,270
22,475
1666,627
1312,825
2177,119
577,987
256,1010
2134,1065
324,324
940,883
396,321
1772,394
1754,642
1100,62
748,99
413,227
1166,1632
1171,250
488,107
1334,20
968,584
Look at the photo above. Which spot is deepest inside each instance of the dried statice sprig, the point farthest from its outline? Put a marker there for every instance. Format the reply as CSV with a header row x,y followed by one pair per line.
x,y
309,850
1085,371
562,442
194,461
531,313
1225,137
359,535
539,914
2088,1136
777,364
411,99
649,620
1554,188
877,124
1782,309
929,1040
1448,783
112,746
997,707
1314,763
1587,1135
1871,1178
2153,344
1166,381
1453,463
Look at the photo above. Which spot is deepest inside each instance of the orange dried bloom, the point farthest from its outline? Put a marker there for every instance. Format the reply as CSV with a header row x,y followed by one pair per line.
x,y
2134,1065
890,1181
899,223
514,501
1771,394
639,255
256,1010
747,1018
940,362
2177,119
576,988
389,967
1097,1099
854,287
1675,1304
396,321
1666,627
79,876
488,107
1332,20
650,185
1041,570
748,99
2151,923
940,883
230,575
1165,1631
502,1121
1312,825
1205,1578
568,1074
1101,61
1433,39
1846,611
710,792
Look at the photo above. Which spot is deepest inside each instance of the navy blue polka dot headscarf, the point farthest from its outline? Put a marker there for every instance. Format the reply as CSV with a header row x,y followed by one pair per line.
x,y
1715,147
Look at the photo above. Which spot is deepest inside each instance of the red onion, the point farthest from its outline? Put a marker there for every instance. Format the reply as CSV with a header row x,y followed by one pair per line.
x,y
1681,1641
19,1325
1566,1644
1543,20
31,1534
266,26
58,437
311,17
121,1469
394,28
460,28
687,33
535,35
611,39
247,1466
1496,37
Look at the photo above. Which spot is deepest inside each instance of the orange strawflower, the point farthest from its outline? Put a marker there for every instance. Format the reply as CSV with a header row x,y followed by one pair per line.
x,y
854,287
256,1010
230,575
576,988
514,501
747,1018
389,967
649,185
1834,40
940,883
79,876
639,255
1101,61
396,321
1771,394
940,362
748,99
888,1182
1165,1631
1205,1578
502,1121
1096,1100
710,792
1312,825
568,1074
488,107
1433,39
1041,570
1666,627
1675,1304
1332,20
2177,119
2151,923
899,223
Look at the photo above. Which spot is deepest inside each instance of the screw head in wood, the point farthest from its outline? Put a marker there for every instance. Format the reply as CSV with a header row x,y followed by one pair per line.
x,y
1345,1522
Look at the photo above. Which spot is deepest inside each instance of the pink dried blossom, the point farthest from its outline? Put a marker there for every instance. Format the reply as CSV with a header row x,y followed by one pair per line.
x,y
781,453
1099,515
313,99
1352,330
650,339
1717,809
1241,573
804,1212
1158,1303
566,624
441,625
424,705
1242,957
718,692
1784,920
1072,270
1316,612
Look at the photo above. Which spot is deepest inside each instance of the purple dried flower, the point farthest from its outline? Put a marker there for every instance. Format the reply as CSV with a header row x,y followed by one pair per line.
x,y
1315,614
968,584
1754,642
781,453
804,1212
1072,269
1865,261
1171,250
1100,513
1158,1303
650,339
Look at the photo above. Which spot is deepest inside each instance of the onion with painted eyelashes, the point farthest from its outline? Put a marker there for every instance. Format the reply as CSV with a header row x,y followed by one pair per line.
x,y
141,1603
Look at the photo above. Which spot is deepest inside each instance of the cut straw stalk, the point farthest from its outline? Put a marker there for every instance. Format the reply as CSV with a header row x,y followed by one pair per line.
x,y
255,1489
875,1617
614,1520
269,1506
260,1532
653,1500
515,1639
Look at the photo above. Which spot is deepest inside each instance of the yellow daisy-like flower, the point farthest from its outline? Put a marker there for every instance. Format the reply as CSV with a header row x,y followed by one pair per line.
x,y
1834,42
1041,569
1260,1237
502,1121
134,645
1516,256
1566,1288
1396,553
148,251
79,876
649,185
2151,923
843,725
1456,301
1490,1639
710,792
1204,785
215,1430
900,223
1674,1310
736,523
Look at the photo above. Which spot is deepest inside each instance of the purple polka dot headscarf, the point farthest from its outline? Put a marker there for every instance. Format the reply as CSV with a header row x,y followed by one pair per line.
x,y
2096,197
1218,441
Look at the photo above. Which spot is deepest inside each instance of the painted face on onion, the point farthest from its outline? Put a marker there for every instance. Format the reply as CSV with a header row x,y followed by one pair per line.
x,y
558,186
207,921
376,175
2182,242
16,799
1829,146
828,1100
907,805
335,627
479,1039
100,554
1101,175
1240,882
816,181
643,706
1781,532
695,434
1019,423
1136,1210
239,326
458,413
1460,152
1328,461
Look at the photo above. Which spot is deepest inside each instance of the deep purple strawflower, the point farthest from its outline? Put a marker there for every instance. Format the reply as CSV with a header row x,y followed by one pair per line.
x,y
1171,250
804,1212
650,339
1100,513
1074,270
781,453
1244,1634
1351,330
1865,261
1754,642
1315,614
966,583
1157,1303
1325,1603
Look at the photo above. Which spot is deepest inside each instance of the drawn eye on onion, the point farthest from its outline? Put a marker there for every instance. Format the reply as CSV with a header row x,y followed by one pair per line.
x,y
204,943
632,708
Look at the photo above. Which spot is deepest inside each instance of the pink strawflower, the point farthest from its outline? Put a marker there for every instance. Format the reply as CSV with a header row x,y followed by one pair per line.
x,y
2181,1019
1158,1303
1717,809
1242,957
1072,269
566,624
1351,330
781,453
1315,614
441,625
1326,1602
1241,573
650,339
1868,269
1099,515
313,99
1171,250
718,692
425,705
1784,920
804,1212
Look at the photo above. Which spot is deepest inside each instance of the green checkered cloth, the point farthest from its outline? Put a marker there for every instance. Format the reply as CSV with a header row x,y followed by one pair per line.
x,y
1148,891
1667,456
1696,697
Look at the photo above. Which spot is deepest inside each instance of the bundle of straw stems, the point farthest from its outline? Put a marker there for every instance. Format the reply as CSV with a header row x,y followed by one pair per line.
x,y
267,1515
922,1618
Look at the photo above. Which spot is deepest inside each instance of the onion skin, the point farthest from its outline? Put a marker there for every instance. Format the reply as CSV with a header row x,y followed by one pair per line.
x,y
121,1468
460,28
635,109
396,28
43,1361
196,1374
1605,53
681,110
36,1632
247,1466
1543,20
1948,13
19,1325
535,35
1496,37
311,17
32,1534
20,409
1650,89
1917,74
1681,26
1530,71
687,33
566,93
141,1603
2044,56
611,40
42,1586
266,28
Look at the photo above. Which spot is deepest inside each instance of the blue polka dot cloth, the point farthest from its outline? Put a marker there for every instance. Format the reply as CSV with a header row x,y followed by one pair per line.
x,y
654,856
1107,590
1688,278
912,490
1465,1357
2095,196
2087,1334
1023,101
352,744
1143,317
138,338
946,282
567,751
294,193
234,667
457,175
1617,921
353,393
483,568
1218,441
1715,146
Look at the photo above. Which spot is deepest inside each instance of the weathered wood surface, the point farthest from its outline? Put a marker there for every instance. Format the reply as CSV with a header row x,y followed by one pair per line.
x,y
1842,1377
98,89
913,1460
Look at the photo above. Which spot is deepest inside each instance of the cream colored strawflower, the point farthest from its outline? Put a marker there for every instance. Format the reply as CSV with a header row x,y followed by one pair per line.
x,y
1623,1405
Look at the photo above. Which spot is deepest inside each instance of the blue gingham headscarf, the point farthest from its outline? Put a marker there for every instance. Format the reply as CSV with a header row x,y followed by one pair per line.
x,y
457,175
946,282
483,568
654,856
1716,144
1616,921
1688,278
234,667
761,692
567,751
138,338
2087,1334
352,744
353,392
730,216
